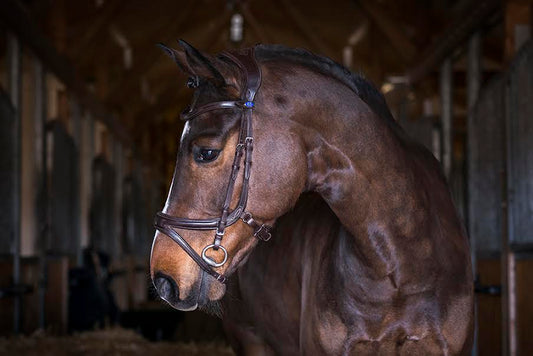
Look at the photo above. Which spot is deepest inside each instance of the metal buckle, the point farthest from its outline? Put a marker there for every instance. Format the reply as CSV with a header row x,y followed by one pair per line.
x,y
263,233
193,82
247,218
249,143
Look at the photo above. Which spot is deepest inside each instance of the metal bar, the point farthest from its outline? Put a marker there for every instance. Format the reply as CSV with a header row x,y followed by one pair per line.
x,y
473,83
87,177
456,34
509,342
436,141
446,97
86,155
76,134
76,122
39,113
13,15
92,143
512,344
119,169
14,87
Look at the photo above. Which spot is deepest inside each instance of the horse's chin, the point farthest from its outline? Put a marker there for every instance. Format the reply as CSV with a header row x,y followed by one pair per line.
x,y
210,290
212,307
210,294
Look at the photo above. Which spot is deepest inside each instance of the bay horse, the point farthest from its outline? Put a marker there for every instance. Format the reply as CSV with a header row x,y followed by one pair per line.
x,y
368,255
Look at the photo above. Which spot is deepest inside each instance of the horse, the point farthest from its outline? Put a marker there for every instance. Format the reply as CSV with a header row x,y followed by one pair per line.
x,y
368,254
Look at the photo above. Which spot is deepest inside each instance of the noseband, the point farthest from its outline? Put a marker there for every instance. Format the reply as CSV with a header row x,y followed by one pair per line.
x,y
165,223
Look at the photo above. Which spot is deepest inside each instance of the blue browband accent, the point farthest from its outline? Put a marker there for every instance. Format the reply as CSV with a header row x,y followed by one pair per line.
x,y
249,104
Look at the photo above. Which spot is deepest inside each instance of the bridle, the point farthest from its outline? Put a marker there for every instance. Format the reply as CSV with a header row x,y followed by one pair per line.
x,y
165,223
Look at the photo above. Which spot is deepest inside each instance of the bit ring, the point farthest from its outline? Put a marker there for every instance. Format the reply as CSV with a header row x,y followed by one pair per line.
x,y
211,262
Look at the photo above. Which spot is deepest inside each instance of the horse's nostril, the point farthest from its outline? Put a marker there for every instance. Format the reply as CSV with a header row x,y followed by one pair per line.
x,y
166,287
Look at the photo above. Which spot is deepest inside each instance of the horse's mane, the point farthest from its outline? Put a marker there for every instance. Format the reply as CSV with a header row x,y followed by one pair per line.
x,y
366,91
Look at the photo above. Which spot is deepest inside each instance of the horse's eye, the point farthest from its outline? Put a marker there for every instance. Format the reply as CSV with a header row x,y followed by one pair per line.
x,y
204,155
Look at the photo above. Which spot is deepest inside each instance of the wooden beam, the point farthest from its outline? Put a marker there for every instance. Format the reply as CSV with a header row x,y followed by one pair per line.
x,y
209,36
143,62
390,28
57,295
307,31
14,86
489,63
101,21
254,24
455,35
13,15
517,21
57,25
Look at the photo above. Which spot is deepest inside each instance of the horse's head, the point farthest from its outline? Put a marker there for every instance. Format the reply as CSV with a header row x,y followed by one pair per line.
x,y
188,252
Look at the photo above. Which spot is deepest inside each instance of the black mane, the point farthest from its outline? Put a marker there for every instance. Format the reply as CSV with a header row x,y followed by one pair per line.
x,y
362,87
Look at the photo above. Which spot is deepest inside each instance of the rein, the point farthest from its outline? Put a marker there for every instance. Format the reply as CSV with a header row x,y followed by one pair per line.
x,y
165,223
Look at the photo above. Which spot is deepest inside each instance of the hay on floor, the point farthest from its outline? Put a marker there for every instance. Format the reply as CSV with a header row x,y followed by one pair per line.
x,y
114,341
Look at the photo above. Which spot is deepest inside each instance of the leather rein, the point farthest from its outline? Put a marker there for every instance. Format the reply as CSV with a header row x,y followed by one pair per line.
x,y
166,224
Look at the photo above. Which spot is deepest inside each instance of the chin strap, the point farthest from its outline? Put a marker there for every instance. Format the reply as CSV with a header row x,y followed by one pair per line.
x,y
261,231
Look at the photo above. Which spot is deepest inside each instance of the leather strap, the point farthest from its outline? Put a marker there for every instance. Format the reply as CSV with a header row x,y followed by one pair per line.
x,y
245,60
191,114
261,231
189,250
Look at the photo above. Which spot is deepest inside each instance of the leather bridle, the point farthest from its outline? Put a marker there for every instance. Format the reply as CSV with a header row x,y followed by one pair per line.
x,y
166,224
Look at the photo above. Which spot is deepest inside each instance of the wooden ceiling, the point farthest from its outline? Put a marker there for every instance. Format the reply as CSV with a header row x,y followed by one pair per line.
x,y
148,95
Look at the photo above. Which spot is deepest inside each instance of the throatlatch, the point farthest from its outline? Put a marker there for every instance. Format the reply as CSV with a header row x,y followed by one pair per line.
x,y
165,223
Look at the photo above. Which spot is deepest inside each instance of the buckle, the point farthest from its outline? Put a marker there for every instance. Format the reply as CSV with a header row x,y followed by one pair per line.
x,y
247,218
249,143
263,233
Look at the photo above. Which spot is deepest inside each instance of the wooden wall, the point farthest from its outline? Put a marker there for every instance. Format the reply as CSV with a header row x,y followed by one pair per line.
x,y
56,297
490,308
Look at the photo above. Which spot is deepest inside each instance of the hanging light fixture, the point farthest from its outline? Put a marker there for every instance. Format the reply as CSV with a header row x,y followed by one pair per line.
x,y
236,29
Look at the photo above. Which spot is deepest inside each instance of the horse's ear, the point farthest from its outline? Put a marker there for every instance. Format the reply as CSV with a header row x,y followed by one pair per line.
x,y
201,65
179,57
194,63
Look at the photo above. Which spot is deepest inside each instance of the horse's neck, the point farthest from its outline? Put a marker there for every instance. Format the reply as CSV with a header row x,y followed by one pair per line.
x,y
360,167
